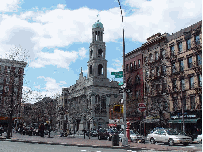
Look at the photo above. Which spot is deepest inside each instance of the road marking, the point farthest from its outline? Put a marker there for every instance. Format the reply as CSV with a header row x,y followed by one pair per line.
x,y
83,150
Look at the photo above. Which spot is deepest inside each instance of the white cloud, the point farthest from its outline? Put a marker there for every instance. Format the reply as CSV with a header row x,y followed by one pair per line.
x,y
38,86
82,52
61,6
61,59
63,27
51,85
150,18
9,5
51,89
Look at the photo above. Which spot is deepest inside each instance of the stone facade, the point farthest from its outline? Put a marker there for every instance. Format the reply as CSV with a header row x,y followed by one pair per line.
x,y
86,103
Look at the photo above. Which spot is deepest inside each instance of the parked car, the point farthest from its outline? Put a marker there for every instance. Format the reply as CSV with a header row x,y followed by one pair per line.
x,y
169,136
1,130
92,133
135,137
199,139
102,134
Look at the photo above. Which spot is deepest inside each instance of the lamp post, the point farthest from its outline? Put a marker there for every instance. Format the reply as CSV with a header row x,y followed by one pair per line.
x,y
125,140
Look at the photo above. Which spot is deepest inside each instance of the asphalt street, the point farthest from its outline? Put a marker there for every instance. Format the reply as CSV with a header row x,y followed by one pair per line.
x,y
79,143
7,146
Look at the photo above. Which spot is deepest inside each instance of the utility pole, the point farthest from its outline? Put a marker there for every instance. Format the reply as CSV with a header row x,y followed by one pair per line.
x,y
125,140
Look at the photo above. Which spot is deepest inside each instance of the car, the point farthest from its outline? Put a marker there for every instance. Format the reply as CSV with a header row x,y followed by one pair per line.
x,y
93,133
169,136
102,134
199,139
135,137
1,130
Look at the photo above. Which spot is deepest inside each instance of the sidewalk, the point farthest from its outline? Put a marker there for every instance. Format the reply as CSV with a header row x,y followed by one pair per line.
x,y
74,141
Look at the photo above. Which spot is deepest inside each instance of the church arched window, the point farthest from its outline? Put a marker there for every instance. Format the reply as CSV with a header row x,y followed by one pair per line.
x,y
100,53
100,69
90,69
91,52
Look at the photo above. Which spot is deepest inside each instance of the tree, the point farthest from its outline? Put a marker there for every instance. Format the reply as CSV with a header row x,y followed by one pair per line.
x,y
15,56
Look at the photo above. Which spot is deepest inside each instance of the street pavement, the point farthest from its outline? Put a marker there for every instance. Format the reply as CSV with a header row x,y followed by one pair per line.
x,y
94,143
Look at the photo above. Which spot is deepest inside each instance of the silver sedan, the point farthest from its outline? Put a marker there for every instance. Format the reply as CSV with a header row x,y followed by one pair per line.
x,y
169,136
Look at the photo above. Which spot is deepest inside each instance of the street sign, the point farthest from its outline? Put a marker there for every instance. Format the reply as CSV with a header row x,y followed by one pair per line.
x,y
142,107
117,73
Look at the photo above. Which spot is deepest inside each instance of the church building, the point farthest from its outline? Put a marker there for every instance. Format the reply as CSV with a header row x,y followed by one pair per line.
x,y
86,104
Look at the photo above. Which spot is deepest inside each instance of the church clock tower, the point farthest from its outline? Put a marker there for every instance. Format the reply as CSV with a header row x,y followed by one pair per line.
x,y
97,64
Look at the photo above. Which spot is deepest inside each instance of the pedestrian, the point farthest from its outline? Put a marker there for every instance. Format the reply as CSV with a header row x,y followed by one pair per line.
x,y
84,131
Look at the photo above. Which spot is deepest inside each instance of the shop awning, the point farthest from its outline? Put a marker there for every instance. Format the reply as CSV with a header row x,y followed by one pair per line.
x,y
185,120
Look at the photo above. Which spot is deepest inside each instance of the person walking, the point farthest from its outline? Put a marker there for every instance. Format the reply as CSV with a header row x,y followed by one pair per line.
x,y
84,131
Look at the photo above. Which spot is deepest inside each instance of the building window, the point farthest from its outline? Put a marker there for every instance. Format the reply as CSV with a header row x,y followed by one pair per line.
x,y
6,89
131,66
172,51
174,85
191,81
156,55
1,89
152,72
200,80
16,70
135,65
181,65
188,44
163,69
199,60
163,53
157,71
127,67
147,73
200,102
189,62
175,105
182,83
192,102
173,68
180,48
164,87
139,62
197,39
150,57
90,69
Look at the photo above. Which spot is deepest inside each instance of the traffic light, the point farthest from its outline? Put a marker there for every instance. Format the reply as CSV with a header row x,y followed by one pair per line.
x,y
117,108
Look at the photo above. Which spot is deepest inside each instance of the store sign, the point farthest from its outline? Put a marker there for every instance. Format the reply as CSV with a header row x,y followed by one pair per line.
x,y
187,114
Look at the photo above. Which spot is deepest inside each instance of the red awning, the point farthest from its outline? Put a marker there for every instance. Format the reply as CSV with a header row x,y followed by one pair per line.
x,y
112,125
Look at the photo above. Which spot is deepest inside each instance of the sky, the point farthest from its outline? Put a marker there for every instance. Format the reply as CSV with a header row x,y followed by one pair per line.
x,y
53,36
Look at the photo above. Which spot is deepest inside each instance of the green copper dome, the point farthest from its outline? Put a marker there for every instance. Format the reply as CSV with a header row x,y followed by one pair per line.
x,y
97,25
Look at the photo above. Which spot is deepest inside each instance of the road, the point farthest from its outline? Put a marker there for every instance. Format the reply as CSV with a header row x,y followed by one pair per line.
x,y
7,146
92,144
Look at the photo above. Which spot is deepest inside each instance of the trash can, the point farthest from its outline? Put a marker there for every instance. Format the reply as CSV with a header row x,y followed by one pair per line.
x,y
115,140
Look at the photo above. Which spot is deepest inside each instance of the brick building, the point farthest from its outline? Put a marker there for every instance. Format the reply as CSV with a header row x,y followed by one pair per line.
x,y
172,75
134,80
11,82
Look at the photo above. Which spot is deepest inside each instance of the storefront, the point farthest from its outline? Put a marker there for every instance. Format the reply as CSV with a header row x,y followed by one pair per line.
x,y
192,120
